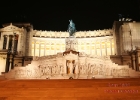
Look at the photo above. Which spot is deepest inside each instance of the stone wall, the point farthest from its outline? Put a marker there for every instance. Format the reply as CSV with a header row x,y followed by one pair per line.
x,y
116,59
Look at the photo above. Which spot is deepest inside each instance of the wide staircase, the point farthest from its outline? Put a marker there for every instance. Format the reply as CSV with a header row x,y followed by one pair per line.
x,y
88,89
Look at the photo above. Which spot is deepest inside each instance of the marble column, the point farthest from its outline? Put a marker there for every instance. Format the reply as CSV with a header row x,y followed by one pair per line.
x,y
34,47
95,47
4,45
50,48
39,48
134,63
13,43
106,47
91,47
2,40
19,44
85,50
138,61
7,45
55,48
45,48
101,47
111,46
61,46
10,65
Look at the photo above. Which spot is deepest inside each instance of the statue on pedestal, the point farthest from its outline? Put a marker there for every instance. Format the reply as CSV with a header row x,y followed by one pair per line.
x,y
70,67
71,28
71,42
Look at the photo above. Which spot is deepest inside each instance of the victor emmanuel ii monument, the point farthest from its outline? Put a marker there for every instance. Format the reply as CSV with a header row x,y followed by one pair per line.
x,y
71,64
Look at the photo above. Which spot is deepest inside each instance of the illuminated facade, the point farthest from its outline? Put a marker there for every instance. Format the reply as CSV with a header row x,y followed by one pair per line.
x,y
20,44
98,42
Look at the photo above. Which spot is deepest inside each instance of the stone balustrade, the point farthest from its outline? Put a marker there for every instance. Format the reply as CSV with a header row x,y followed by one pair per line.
x,y
95,33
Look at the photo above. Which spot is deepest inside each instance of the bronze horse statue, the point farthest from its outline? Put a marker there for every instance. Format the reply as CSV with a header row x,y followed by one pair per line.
x,y
71,28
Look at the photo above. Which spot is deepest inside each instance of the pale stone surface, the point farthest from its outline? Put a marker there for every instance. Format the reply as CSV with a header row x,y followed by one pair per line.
x,y
71,43
57,56
71,65
49,46
10,30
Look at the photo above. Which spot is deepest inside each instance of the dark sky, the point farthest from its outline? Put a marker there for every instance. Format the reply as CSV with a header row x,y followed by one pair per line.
x,y
55,14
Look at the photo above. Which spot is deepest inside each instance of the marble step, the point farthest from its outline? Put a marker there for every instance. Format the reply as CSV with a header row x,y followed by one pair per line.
x,y
134,73
98,89
2,77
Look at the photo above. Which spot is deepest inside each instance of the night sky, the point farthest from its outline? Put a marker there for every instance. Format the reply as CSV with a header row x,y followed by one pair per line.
x,y
55,15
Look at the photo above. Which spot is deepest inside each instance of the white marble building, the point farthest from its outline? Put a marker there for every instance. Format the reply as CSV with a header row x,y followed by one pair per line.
x,y
98,42
56,55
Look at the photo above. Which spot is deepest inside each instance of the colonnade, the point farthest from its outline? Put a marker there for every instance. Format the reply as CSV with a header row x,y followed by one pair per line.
x,y
89,46
8,42
43,48
97,47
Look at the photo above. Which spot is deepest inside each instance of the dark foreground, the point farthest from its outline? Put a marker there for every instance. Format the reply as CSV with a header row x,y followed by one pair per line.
x,y
95,89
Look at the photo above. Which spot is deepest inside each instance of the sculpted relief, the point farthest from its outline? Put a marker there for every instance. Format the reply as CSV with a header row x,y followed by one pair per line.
x,y
61,67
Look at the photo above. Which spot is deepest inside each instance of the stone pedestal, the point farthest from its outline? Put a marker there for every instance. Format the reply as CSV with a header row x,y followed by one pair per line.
x,y
71,43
